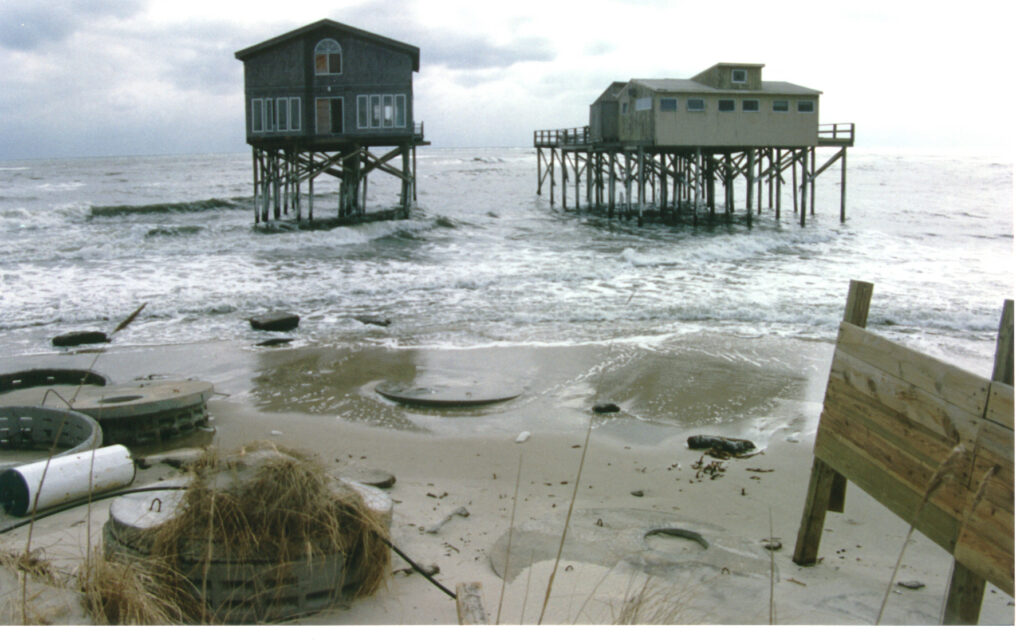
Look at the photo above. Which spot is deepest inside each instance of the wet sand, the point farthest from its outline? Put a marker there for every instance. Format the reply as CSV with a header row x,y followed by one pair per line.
x,y
638,475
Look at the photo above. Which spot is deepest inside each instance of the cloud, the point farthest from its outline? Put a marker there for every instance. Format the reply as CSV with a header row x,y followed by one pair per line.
x,y
199,56
473,52
599,48
26,25
465,50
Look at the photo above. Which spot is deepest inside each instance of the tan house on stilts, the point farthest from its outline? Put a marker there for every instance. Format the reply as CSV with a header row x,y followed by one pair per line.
x,y
677,138
727,105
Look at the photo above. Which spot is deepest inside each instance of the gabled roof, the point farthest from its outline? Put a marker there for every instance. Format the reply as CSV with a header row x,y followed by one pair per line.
x,y
248,52
749,65
690,85
612,92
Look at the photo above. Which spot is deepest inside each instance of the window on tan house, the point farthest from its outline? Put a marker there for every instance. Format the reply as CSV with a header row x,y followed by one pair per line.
x,y
695,104
327,57
739,76
751,105
805,106
780,105
726,105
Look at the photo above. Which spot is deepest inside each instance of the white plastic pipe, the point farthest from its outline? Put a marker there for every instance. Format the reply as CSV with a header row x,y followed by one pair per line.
x,y
67,479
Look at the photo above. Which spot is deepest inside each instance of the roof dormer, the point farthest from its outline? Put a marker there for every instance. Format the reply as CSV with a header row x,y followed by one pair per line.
x,y
731,76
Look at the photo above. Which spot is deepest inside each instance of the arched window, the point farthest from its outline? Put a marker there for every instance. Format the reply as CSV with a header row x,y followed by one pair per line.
x,y
327,57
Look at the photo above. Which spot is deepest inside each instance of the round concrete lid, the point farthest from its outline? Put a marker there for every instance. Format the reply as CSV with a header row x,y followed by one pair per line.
x,y
445,396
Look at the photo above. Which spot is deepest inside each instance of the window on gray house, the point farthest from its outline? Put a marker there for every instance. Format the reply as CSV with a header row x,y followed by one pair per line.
x,y
282,114
805,106
780,105
400,110
739,75
362,112
389,110
695,104
327,57
257,115
751,105
726,105
375,111
295,114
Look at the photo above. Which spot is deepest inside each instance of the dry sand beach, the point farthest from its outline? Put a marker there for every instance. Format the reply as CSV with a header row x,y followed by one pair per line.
x,y
638,475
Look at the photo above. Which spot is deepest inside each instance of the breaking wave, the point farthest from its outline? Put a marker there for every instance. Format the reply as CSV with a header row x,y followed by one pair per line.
x,y
202,205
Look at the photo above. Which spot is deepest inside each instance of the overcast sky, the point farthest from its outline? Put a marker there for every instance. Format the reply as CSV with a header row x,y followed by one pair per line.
x,y
112,77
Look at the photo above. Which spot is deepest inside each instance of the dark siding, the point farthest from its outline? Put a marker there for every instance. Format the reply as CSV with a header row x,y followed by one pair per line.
x,y
367,68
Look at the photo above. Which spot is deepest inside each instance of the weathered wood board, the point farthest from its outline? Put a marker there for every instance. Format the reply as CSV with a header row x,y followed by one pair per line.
x,y
893,416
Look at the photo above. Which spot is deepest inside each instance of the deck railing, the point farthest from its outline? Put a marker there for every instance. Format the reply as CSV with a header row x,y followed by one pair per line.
x,y
557,137
836,132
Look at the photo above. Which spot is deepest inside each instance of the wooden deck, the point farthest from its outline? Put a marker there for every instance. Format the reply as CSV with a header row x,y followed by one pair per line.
x,y
829,135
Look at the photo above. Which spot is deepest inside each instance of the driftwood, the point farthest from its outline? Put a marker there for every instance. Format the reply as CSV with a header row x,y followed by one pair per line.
x,y
461,511
470,604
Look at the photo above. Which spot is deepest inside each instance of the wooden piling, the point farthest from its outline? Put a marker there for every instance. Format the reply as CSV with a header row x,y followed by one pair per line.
x,y
778,184
310,190
814,165
966,589
256,185
551,181
750,188
842,189
803,187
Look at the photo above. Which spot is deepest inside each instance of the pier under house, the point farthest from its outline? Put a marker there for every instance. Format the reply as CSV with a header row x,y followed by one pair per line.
x,y
688,184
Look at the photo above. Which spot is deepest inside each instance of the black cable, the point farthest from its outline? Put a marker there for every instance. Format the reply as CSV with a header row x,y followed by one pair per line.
x,y
416,567
123,492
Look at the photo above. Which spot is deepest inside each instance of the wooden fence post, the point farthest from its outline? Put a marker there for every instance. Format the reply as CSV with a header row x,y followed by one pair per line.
x,y
966,589
827,488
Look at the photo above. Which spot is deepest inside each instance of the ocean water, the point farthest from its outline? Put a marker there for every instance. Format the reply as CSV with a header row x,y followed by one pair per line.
x,y
485,261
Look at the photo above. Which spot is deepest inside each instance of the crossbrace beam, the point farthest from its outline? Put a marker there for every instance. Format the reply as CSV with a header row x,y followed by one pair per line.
x,y
279,174
634,181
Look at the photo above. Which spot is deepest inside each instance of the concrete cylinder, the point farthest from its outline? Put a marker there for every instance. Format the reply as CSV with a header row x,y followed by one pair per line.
x,y
67,479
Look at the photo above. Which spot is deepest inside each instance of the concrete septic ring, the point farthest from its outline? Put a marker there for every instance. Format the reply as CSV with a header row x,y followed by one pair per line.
x,y
36,428
241,591
147,411
50,377
141,412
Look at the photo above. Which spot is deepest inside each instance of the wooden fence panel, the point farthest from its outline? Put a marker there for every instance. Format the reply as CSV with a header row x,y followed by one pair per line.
x,y
956,386
893,420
